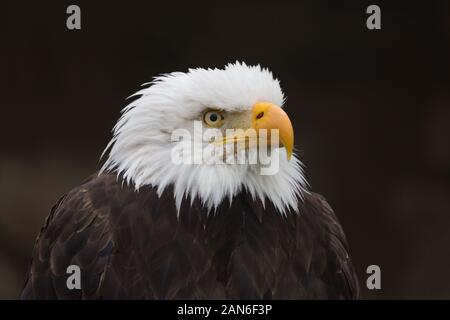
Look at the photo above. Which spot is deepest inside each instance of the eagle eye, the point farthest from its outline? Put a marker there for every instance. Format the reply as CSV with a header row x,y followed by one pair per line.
x,y
213,118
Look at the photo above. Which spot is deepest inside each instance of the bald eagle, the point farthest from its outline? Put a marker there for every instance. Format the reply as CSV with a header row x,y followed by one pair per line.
x,y
148,227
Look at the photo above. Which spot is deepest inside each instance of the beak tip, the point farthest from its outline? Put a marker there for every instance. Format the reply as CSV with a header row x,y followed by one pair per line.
x,y
289,154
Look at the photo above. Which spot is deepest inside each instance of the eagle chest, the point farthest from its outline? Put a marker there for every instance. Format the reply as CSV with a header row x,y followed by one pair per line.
x,y
239,246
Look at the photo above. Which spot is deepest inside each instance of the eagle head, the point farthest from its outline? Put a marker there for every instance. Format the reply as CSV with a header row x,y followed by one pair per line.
x,y
202,117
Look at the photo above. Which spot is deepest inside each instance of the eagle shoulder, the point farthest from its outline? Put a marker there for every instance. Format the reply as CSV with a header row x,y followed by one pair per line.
x,y
339,274
78,231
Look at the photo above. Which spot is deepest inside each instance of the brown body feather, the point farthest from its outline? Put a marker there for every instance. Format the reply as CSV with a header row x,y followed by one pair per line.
x,y
131,245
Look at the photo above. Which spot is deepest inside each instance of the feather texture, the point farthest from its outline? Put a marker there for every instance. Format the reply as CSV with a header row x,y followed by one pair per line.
x,y
131,245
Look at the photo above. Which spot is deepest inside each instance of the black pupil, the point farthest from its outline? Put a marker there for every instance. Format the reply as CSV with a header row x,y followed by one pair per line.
x,y
213,117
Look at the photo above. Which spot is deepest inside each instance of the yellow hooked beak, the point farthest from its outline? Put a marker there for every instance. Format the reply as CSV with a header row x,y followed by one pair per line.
x,y
267,116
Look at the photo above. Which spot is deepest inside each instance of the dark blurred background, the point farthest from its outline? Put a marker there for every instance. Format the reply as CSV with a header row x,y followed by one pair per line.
x,y
371,111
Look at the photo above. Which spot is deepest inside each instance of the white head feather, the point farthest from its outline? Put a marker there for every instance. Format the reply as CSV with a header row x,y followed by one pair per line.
x,y
141,147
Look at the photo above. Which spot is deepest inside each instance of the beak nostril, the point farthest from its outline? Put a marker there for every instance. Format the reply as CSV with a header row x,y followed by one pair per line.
x,y
260,115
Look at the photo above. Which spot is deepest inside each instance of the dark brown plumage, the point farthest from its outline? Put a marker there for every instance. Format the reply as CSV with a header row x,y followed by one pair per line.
x,y
130,245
